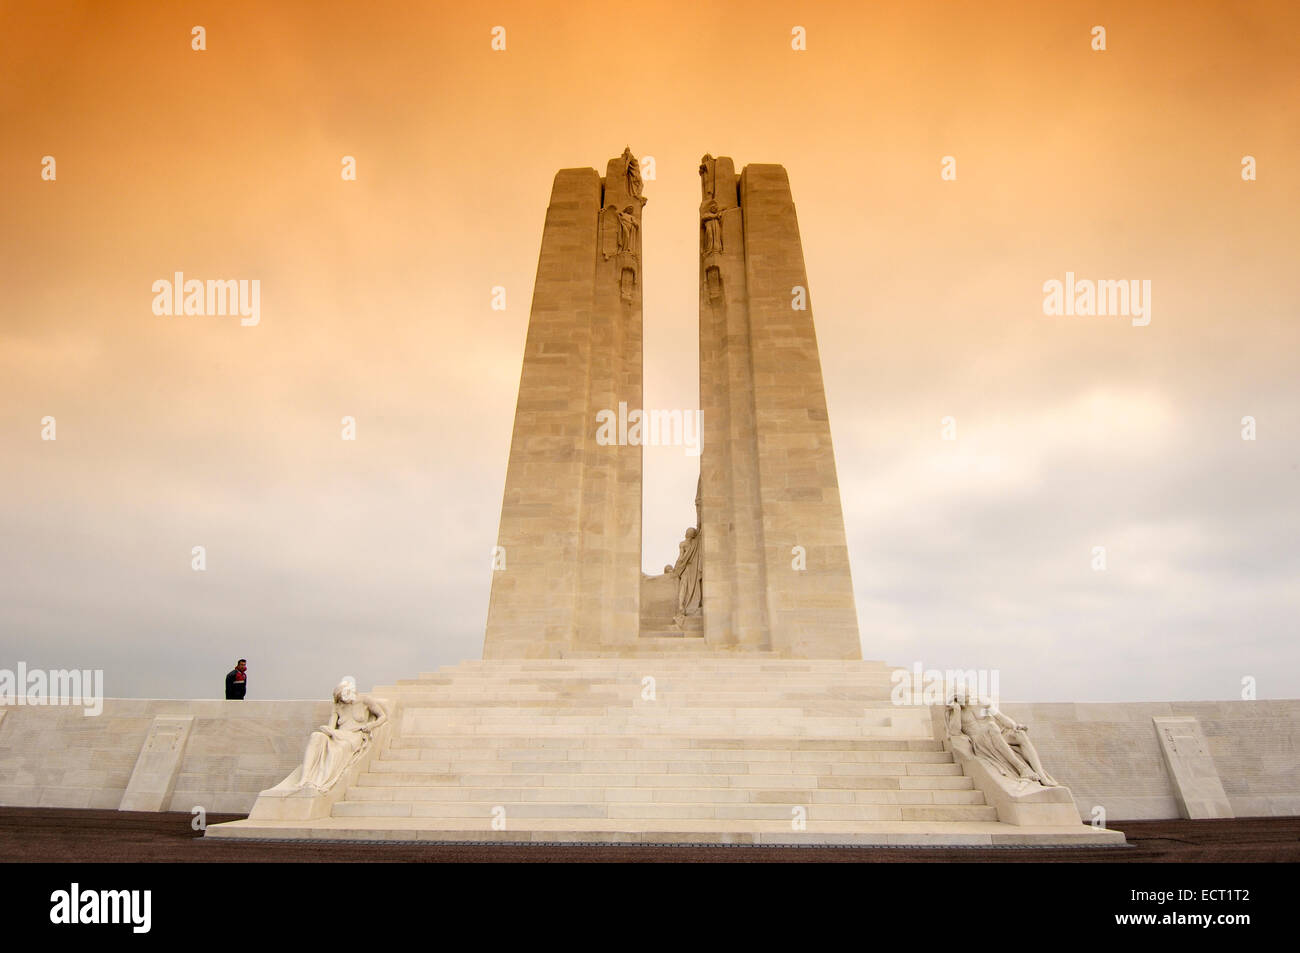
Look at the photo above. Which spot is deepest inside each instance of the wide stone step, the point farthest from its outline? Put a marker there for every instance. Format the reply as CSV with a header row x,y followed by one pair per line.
x,y
449,721
739,680
505,766
711,659
680,746
674,831
548,761
720,681
593,795
711,663
634,687
623,717
663,628
616,761
526,811
756,733
813,703
602,663
521,779
733,680
795,708
630,694
810,702
534,774
643,648
839,703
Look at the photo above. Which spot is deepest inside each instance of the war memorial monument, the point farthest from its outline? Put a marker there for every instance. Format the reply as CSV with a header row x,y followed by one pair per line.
x,y
725,700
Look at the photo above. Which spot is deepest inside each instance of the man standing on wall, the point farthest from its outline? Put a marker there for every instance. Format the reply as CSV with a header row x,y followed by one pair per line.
x,y
237,681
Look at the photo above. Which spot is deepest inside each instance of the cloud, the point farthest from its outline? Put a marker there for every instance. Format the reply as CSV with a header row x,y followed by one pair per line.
x,y
980,552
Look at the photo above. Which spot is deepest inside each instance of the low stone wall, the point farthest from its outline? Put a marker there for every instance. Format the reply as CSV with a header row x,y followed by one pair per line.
x,y
60,757
1109,754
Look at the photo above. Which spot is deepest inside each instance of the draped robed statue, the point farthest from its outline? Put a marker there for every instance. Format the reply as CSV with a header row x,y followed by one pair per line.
x,y
995,739
337,743
689,568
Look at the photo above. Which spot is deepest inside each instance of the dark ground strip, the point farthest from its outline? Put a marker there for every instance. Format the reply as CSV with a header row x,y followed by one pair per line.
x,y
49,834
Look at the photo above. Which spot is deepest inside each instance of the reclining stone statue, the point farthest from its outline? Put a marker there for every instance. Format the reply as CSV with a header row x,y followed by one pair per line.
x,y
985,733
336,744
337,751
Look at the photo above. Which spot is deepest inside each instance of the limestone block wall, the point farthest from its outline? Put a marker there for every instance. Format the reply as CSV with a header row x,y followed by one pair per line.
x,y
1106,753
1109,754
812,612
609,582
570,531
534,597
56,756
768,468
735,604
658,602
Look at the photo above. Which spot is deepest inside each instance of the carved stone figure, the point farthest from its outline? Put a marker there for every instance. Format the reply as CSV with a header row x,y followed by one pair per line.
x,y
708,178
713,279
337,743
627,227
690,576
711,220
632,169
996,740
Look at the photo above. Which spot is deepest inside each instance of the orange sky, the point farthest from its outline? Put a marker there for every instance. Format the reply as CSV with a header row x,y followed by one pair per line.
x,y
1073,432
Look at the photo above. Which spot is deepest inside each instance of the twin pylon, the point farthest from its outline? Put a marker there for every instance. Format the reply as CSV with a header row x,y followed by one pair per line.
x,y
773,554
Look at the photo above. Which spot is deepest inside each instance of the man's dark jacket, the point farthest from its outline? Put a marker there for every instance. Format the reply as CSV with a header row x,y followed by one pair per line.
x,y
235,689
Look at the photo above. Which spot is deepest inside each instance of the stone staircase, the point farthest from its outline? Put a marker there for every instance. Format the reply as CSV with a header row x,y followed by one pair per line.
x,y
662,749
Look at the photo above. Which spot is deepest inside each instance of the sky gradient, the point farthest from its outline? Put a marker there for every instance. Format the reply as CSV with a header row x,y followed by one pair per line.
x,y
372,557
